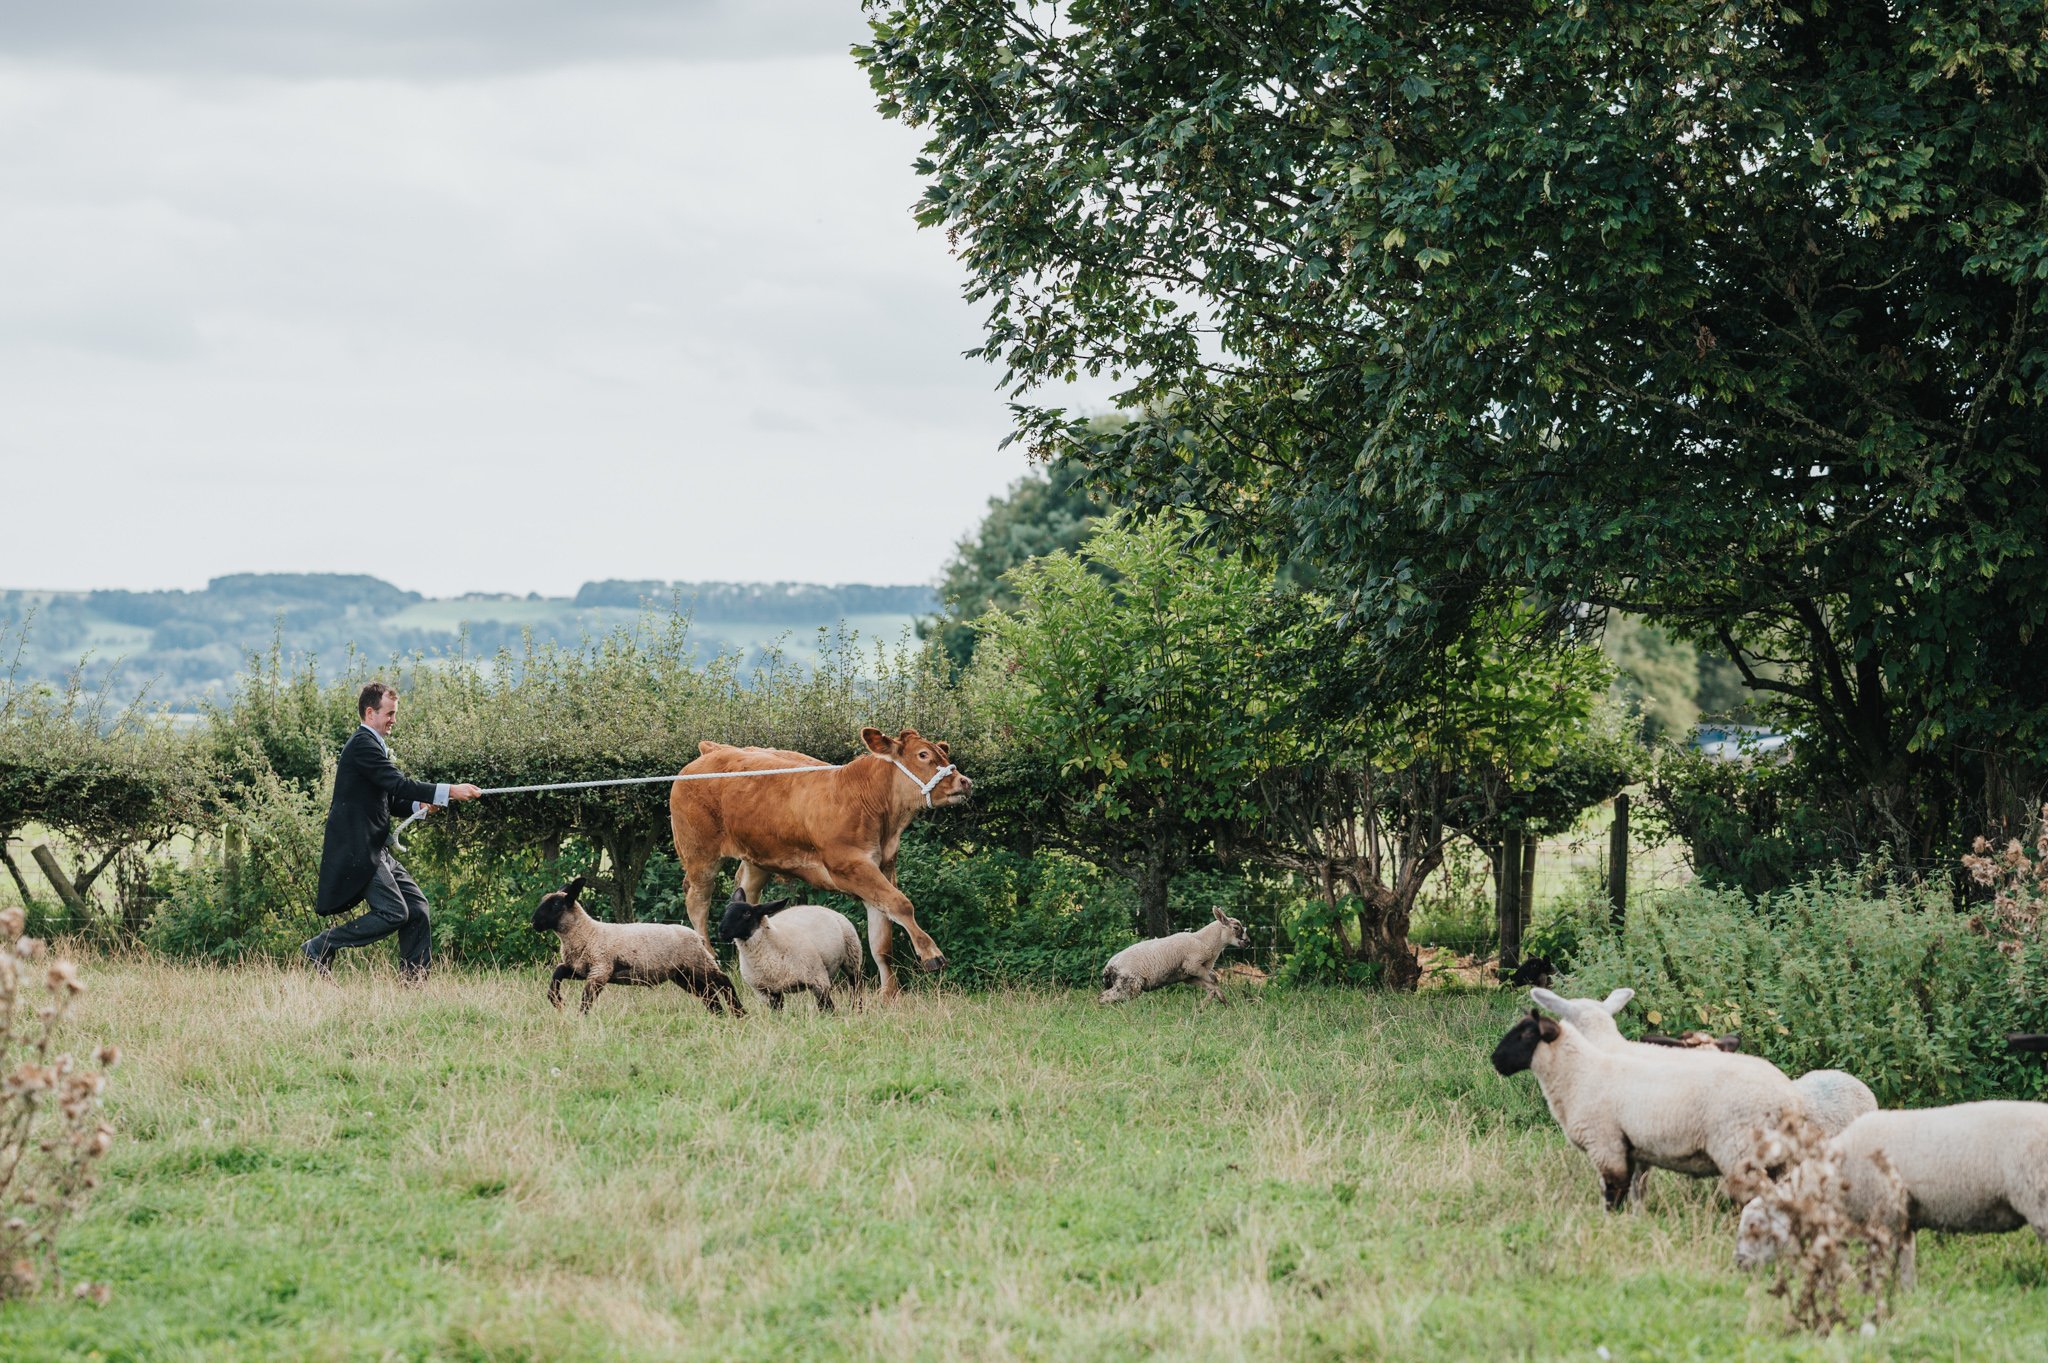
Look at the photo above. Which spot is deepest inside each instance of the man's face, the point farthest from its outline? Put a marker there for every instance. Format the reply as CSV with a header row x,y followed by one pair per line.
x,y
384,716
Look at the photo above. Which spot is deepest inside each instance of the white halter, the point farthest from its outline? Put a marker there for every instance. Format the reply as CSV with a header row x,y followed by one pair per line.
x,y
924,788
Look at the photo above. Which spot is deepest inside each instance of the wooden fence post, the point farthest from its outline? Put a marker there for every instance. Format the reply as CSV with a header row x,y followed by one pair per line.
x,y
1525,900
1507,888
59,882
1617,861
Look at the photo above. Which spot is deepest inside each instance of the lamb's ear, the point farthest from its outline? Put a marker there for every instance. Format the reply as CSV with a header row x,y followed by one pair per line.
x,y
739,896
1543,998
1731,1043
1548,1029
1618,1000
877,741
1221,916
573,888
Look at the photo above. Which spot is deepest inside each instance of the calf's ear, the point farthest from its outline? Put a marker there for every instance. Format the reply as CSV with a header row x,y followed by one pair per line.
x,y
945,751
877,741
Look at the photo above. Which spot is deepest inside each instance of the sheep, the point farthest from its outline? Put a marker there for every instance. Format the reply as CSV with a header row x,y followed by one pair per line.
x,y
628,953
1640,1107
1160,961
785,947
1971,1168
1834,1098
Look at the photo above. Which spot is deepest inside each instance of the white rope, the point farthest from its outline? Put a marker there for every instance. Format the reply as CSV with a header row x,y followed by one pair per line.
x,y
645,780
924,788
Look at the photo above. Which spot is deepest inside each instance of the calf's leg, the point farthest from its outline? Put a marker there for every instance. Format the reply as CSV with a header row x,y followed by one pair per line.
x,y
700,878
865,879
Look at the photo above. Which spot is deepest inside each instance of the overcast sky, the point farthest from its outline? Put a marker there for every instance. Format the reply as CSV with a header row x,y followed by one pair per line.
x,y
497,295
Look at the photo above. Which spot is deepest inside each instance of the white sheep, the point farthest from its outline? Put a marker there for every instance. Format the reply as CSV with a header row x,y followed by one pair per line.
x,y
1643,1107
628,953
1970,1168
1160,961
784,947
1834,1098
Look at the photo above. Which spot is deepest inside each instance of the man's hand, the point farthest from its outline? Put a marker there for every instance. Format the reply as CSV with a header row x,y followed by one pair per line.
x,y
463,792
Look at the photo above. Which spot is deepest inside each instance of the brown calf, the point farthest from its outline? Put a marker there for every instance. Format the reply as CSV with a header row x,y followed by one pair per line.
x,y
836,830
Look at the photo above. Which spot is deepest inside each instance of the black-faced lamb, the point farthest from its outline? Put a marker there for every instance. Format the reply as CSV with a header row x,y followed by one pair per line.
x,y
1834,1098
784,947
628,953
1694,1113
1971,1168
1160,961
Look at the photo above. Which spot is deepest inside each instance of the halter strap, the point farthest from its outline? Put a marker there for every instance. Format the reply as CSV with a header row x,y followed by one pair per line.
x,y
924,788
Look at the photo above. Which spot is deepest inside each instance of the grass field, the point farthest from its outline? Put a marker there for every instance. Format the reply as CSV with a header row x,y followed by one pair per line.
x,y
347,1171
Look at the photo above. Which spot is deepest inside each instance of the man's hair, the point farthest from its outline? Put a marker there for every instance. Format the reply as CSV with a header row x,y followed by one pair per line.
x,y
371,697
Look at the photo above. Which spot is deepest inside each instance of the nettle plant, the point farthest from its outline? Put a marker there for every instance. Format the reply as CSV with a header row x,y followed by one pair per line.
x,y
51,1133
2018,884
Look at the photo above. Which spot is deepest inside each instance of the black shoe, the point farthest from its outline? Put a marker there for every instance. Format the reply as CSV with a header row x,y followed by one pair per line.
x,y
315,959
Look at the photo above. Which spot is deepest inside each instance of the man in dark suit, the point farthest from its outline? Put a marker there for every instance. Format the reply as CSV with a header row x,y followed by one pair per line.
x,y
355,864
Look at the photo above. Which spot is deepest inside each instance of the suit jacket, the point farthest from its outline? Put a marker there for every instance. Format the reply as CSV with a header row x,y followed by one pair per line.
x,y
369,790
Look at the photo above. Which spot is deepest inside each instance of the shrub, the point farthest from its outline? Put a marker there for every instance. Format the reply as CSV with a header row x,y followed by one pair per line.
x,y
51,1135
1890,984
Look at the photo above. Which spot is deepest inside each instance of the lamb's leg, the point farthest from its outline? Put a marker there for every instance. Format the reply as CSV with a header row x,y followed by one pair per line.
x,y
1120,988
713,987
593,985
823,995
1616,1167
562,972
1638,1182
1908,1266
1210,982
775,1003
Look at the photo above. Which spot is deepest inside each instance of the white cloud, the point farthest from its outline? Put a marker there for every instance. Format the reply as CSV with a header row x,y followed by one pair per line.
x,y
509,331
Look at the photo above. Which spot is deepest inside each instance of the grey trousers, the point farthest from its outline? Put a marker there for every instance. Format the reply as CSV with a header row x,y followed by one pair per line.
x,y
392,903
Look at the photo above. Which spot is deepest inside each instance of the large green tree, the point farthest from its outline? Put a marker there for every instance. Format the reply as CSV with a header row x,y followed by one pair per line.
x,y
1728,315
1044,512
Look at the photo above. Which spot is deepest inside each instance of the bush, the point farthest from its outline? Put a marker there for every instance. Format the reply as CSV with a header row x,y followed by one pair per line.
x,y
1890,984
255,896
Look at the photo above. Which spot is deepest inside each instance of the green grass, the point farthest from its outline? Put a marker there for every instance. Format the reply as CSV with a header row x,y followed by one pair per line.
x,y
358,1171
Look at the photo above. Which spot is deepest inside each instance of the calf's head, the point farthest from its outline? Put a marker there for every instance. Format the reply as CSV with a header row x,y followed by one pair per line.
x,y
741,919
923,759
555,905
1518,1047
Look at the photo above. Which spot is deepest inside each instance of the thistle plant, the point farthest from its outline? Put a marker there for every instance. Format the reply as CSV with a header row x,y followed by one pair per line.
x,y
1822,1254
2018,884
51,1134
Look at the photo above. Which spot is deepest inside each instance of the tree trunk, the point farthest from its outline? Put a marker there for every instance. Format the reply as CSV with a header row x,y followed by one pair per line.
x,y
1152,884
1617,861
54,873
1507,893
629,857
1383,938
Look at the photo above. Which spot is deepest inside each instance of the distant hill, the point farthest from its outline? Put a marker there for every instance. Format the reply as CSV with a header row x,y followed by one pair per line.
x,y
190,645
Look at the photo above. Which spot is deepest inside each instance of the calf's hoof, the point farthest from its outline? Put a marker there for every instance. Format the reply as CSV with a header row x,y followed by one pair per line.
x,y
931,965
